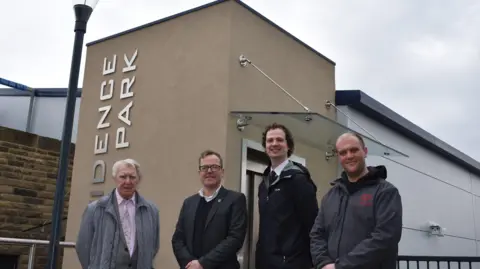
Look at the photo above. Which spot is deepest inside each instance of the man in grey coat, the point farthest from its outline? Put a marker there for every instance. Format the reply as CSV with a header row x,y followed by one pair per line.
x,y
121,229
359,225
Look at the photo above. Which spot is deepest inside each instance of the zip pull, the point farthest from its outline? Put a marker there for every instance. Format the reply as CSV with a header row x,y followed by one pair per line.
x,y
267,198
283,259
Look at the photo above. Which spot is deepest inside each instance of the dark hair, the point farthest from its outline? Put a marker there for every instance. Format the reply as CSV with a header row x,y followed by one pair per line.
x,y
209,152
288,136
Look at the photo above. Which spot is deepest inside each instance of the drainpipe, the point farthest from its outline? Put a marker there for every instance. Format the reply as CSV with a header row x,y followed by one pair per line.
x,y
30,111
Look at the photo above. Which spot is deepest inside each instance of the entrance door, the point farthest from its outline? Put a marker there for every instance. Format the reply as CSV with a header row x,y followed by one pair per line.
x,y
253,218
8,261
253,179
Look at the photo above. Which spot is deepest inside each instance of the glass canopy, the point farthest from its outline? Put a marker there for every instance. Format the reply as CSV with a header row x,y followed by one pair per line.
x,y
312,129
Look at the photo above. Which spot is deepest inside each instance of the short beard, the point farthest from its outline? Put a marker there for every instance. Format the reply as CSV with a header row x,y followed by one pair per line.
x,y
358,173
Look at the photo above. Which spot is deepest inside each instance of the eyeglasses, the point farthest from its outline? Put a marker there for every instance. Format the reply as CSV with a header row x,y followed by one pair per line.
x,y
213,167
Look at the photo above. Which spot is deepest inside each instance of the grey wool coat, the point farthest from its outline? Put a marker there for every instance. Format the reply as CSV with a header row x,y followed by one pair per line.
x,y
100,233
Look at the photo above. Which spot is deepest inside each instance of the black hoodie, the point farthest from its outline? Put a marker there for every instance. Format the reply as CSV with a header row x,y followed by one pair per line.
x,y
287,209
359,225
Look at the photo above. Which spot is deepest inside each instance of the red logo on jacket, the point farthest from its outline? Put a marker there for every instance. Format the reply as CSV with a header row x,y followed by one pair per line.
x,y
366,199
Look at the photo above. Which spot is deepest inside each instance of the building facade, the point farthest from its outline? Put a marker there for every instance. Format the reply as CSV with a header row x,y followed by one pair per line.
x,y
163,92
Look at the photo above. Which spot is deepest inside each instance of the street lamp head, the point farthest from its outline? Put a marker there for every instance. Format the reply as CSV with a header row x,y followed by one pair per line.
x,y
90,3
83,9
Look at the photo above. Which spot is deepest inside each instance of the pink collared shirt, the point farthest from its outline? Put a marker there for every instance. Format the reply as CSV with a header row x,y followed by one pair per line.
x,y
131,211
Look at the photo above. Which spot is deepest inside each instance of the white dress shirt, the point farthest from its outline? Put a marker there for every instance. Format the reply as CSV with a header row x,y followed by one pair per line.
x,y
278,170
211,197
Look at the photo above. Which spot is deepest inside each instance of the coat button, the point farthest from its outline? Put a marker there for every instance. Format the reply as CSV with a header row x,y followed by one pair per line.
x,y
126,249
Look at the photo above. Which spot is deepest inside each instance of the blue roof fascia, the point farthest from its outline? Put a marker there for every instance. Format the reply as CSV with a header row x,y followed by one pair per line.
x,y
370,107
39,92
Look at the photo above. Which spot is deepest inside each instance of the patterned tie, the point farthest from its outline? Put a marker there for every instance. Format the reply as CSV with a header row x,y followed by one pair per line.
x,y
126,224
272,177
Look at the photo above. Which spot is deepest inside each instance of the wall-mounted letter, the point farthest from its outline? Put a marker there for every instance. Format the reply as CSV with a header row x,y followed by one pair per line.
x,y
101,146
129,63
99,171
105,110
125,92
124,114
109,68
109,95
121,142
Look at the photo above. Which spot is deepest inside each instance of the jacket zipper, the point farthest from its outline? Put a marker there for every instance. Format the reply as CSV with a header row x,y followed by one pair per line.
x,y
343,222
268,193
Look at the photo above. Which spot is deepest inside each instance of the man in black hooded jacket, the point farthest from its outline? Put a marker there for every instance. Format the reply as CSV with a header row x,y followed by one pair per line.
x,y
359,224
287,206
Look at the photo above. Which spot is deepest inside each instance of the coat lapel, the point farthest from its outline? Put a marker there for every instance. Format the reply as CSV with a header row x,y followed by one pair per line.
x,y
139,229
110,204
190,213
216,204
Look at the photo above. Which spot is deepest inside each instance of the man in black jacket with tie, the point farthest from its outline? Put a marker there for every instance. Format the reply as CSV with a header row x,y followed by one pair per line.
x,y
287,206
212,224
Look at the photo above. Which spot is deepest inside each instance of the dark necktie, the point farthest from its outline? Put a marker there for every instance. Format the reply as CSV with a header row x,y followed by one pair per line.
x,y
272,177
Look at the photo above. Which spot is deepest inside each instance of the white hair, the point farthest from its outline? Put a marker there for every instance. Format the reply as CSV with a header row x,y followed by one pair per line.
x,y
127,162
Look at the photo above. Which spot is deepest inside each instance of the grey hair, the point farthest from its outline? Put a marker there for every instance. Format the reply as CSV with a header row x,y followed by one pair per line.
x,y
127,162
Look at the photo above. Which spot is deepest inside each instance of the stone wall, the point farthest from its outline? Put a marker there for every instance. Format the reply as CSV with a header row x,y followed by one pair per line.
x,y
28,170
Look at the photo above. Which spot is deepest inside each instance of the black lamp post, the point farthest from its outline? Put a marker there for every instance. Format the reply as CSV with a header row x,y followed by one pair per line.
x,y
83,9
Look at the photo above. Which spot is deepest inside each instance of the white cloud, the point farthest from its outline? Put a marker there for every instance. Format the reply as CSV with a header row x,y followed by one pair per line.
x,y
420,58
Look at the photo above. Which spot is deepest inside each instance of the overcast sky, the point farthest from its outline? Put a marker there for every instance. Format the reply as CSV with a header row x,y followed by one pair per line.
x,y
418,57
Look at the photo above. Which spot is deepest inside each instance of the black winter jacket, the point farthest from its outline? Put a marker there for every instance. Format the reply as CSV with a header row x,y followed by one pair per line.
x,y
287,212
359,225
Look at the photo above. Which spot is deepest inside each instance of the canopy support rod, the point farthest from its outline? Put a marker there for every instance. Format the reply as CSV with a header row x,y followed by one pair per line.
x,y
329,104
244,61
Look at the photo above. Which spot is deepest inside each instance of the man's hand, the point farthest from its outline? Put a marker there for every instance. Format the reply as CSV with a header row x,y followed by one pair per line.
x,y
195,265
329,266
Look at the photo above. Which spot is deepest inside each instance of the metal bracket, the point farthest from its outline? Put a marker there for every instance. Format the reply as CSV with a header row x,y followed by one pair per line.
x,y
435,229
242,122
331,153
328,104
243,60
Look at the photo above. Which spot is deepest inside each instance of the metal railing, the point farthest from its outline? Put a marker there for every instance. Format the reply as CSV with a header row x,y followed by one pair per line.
x,y
437,262
33,245
403,261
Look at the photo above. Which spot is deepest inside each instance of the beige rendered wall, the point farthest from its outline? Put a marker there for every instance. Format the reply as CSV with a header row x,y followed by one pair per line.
x,y
186,81
179,110
307,76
